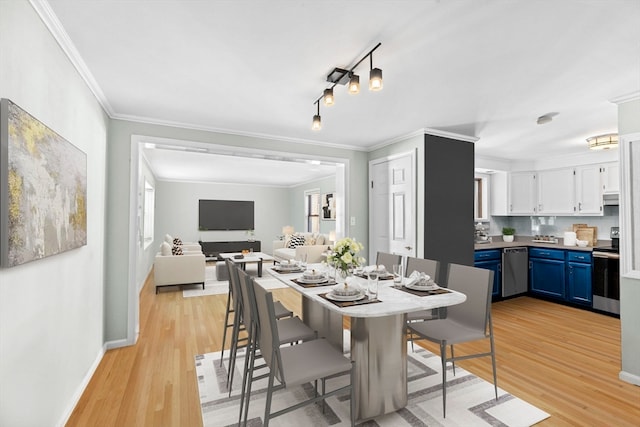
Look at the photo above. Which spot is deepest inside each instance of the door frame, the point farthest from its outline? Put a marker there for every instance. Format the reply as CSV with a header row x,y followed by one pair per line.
x,y
414,202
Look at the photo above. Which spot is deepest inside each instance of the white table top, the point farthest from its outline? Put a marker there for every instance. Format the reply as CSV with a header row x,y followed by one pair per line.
x,y
250,257
393,301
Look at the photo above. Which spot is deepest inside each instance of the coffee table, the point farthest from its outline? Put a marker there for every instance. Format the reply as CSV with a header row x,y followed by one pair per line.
x,y
250,258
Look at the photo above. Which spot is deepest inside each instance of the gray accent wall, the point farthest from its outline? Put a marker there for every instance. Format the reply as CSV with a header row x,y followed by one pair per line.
x,y
51,310
448,201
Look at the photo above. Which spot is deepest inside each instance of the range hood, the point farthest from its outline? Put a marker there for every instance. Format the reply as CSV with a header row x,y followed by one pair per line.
x,y
611,199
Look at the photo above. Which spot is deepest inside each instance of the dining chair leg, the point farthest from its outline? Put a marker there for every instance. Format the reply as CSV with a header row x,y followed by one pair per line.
x,y
247,378
453,361
443,357
267,406
352,405
226,324
493,357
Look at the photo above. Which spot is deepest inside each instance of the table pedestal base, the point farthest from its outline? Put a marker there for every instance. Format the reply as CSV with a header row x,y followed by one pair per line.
x,y
379,349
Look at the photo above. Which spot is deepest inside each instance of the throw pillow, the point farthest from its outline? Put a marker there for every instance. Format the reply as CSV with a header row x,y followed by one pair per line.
x,y
177,250
177,241
168,238
310,240
295,241
320,239
165,249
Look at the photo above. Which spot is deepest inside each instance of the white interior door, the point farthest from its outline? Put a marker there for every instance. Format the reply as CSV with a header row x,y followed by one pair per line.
x,y
392,211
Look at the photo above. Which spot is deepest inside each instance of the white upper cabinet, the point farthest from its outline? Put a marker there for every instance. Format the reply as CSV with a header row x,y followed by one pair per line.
x,y
523,198
610,177
556,192
589,190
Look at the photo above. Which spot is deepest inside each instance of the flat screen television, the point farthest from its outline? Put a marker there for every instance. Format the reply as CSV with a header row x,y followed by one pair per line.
x,y
225,215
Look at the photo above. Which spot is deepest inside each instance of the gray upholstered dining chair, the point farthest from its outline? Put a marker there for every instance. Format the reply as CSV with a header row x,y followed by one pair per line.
x,y
298,364
291,330
426,266
469,321
238,321
388,260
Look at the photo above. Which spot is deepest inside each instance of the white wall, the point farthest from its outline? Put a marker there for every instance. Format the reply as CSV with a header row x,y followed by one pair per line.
x,y
51,310
177,211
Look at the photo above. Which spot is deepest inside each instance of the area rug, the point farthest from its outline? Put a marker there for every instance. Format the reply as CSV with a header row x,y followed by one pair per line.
x,y
215,287
470,400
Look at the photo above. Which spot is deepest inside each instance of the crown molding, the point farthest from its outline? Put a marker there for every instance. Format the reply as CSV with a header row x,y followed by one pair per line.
x,y
451,135
43,9
634,96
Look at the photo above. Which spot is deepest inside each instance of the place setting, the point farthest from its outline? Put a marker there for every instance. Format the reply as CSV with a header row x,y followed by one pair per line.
x,y
420,284
350,293
313,278
288,267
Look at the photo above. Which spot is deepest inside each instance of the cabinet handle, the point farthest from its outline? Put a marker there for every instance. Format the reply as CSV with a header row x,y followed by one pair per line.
x,y
530,265
580,206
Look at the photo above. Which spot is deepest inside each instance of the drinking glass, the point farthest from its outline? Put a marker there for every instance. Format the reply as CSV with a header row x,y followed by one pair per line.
x,y
397,273
373,283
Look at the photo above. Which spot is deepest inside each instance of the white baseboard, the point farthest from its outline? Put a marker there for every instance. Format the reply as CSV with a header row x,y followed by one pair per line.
x,y
629,378
109,345
81,387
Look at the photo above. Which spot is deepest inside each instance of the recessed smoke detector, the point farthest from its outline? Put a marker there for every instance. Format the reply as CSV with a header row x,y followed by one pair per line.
x,y
546,118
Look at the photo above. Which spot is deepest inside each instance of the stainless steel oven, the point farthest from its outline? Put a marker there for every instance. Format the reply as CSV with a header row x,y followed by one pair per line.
x,y
606,276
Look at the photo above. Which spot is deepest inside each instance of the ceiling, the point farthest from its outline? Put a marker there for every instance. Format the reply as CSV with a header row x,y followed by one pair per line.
x,y
482,68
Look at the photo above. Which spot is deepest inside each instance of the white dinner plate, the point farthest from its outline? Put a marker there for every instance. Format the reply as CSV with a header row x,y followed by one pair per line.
x,y
332,296
317,280
416,287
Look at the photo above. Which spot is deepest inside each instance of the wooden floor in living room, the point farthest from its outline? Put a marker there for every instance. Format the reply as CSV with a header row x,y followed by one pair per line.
x,y
563,360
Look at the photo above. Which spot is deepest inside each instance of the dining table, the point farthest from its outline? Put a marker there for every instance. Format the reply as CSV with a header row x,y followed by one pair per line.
x,y
378,341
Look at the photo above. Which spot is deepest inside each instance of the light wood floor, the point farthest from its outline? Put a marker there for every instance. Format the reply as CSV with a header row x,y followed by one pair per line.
x,y
563,360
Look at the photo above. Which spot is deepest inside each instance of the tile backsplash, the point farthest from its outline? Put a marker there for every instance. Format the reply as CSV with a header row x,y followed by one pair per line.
x,y
555,225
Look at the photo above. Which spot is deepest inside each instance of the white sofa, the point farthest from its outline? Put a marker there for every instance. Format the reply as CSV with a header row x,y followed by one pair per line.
x,y
171,270
314,252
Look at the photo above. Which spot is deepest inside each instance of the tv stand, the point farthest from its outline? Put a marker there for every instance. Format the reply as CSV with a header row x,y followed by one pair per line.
x,y
211,250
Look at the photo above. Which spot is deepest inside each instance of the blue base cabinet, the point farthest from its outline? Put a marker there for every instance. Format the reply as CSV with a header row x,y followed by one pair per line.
x,y
491,259
564,275
579,276
547,272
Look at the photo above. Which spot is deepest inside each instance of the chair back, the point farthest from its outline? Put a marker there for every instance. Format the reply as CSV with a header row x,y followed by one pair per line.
x,y
248,299
234,283
422,265
388,260
269,339
476,284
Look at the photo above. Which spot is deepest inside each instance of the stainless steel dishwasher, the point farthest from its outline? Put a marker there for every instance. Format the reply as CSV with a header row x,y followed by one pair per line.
x,y
515,271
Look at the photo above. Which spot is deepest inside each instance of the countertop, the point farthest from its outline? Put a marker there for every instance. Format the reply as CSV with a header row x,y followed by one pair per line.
x,y
519,241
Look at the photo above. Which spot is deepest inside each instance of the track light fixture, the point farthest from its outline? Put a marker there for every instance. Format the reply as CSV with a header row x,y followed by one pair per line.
x,y
354,84
352,80
317,124
328,97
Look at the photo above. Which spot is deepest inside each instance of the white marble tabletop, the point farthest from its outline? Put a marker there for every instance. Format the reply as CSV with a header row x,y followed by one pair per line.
x,y
393,301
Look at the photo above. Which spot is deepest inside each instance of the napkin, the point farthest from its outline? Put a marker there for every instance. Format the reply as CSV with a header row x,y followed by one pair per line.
x,y
381,268
419,279
349,287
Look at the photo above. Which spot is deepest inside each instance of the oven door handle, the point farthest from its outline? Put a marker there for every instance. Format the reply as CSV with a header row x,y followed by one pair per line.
x,y
606,255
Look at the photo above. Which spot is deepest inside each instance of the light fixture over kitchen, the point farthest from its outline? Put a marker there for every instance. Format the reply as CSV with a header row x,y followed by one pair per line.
x,y
603,142
544,119
348,77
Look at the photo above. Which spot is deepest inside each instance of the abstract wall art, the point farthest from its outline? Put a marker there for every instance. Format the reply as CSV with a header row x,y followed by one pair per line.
x,y
43,197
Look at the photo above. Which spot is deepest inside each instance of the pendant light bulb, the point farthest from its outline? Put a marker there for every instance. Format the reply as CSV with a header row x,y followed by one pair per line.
x,y
317,121
354,84
375,79
328,97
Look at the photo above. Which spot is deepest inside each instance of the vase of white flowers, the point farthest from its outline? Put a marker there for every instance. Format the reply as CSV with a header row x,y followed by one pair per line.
x,y
344,256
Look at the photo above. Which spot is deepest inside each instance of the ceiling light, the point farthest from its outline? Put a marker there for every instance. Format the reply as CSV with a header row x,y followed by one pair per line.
x,y
354,84
317,124
544,119
343,76
375,76
603,142
328,97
